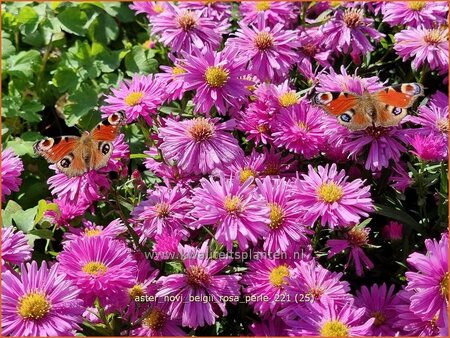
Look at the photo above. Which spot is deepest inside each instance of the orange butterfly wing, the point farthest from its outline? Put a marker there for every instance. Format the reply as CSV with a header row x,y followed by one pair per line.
x,y
401,96
54,149
336,103
108,129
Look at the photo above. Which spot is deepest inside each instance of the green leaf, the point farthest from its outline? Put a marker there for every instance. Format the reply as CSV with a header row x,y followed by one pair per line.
x,y
10,209
73,20
24,63
398,215
104,29
30,109
28,20
138,61
81,103
24,219
65,79
42,233
8,48
22,147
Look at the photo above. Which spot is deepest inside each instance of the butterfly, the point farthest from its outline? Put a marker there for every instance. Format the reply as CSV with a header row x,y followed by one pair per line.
x,y
75,155
384,108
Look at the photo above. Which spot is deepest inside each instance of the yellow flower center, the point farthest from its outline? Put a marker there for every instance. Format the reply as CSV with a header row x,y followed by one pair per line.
x,y
416,5
136,291
197,276
277,276
288,99
262,128
155,320
33,306
263,41
276,215
262,6
330,192
246,173
95,268
353,17
379,318
158,8
177,71
444,285
162,210
435,36
442,125
186,20
216,77
134,98
201,129
232,204
302,125
334,328
92,232
357,237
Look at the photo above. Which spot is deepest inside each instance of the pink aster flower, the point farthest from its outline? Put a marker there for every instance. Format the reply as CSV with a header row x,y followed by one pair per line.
x,y
330,319
272,12
67,210
286,228
90,229
265,281
200,279
39,302
380,303
11,169
278,164
99,266
312,49
429,147
393,231
173,76
400,178
276,97
235,210
299,129
269,328
216,10
15,247
269,51
429,283
255,122
166,246
149,8
165,209
355,239
184,30
415,13
199,145
140,96
349,32
156,322
218,80
245,166
311,280
327,194
425,46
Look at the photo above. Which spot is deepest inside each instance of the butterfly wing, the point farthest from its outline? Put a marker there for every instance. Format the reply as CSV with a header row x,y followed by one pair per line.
x,y
346,107
103,136
64,152
394,101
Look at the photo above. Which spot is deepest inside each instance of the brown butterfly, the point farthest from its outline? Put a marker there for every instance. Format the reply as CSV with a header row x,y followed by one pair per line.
x,y
384,108
75,155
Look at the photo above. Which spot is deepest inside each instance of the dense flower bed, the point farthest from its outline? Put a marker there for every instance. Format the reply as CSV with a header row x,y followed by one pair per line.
x,y
231,203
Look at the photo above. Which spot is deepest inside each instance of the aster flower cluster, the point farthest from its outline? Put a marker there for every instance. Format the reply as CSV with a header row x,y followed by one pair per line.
x,y
232,204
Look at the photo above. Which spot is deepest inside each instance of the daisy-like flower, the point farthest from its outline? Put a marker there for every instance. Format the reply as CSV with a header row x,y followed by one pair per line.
x,y
429,147
67,210
246,166
216,10
415,13
276,97
425,45
269,51
356,238
201,289
393,231
327,194
272,12
299,129
140,96
12,168
199,145
166,246
265,282
269,328
285,216
218,79
312,49
40,302
276,164
99,266
90,229
15,247
429,283
400,178
235,210
380,303
309,278
330,319
165,209
175,85
183,30
348,32
156,322
255,122
149,8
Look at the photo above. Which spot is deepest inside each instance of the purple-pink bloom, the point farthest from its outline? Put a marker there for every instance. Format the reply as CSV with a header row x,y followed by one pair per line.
x,y
269,328
173,77
327,194
393,231
40,302
15,247
218,79
11,169
149,8
236,211
429,147
90,229
202,279
415,13
272,12
165,246
199,145
245,166
216,10
156,322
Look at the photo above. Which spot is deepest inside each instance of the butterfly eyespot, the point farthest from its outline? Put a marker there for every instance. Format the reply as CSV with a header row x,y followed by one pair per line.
x,y
65,163
322,98
115,118
105,148
397,111
345,118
